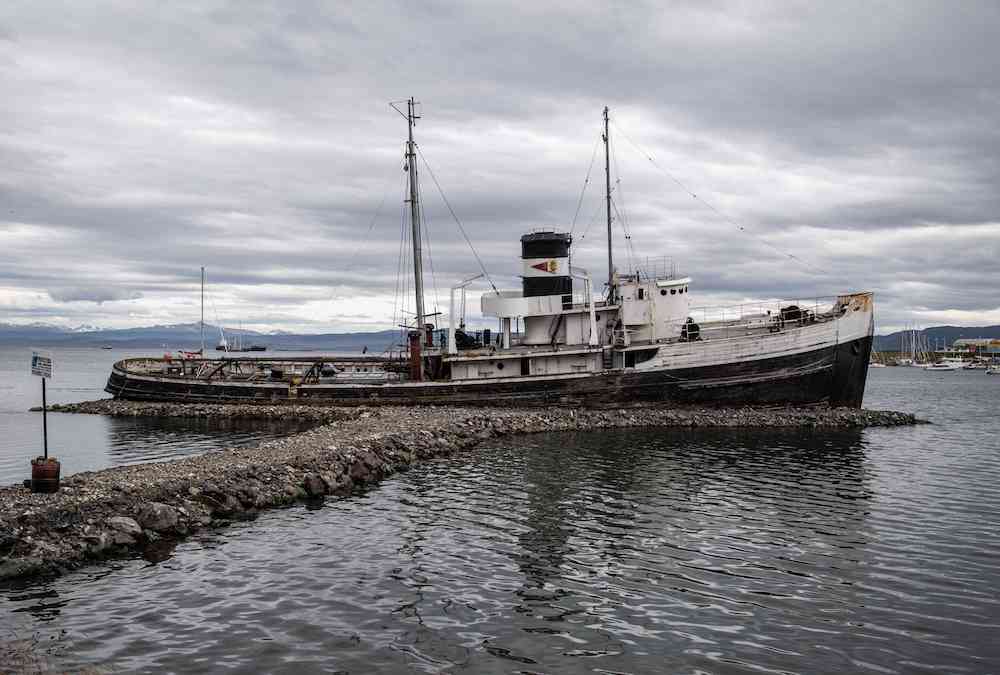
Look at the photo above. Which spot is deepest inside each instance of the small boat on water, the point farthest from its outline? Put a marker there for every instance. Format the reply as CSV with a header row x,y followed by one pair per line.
x,y
239,347
947,364
639,340
993,370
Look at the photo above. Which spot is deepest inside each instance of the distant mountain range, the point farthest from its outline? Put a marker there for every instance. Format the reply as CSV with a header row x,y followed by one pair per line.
x,y
937,335
188,336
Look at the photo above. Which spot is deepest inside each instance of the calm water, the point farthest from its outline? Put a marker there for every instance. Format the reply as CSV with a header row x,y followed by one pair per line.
x,y
620,552
88,442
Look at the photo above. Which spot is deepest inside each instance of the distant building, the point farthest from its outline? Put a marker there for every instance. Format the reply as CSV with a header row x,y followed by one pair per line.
x,y
980,345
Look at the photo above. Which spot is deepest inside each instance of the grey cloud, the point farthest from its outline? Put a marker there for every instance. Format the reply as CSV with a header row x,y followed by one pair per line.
x,y
95,294
140,142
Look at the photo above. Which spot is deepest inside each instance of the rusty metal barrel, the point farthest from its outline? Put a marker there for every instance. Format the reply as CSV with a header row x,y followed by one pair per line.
x,y
44,475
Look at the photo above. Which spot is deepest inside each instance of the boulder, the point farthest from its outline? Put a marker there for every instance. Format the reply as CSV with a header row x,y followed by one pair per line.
x,y
314,485
157,517
125,525
359,472
125,531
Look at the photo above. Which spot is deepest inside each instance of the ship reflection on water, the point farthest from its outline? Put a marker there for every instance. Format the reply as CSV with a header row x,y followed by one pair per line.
x,y
132,440
655,536
624,551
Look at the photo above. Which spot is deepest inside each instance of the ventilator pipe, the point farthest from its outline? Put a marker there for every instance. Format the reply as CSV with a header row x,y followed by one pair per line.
x,y
580,273
452,344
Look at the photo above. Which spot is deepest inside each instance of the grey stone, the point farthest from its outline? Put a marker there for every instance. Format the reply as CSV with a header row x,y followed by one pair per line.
x,y
157,517
125,525
314,485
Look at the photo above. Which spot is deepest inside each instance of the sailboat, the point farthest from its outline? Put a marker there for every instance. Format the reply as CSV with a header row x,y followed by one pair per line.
x,y
640,340
186,354
914,344
875,361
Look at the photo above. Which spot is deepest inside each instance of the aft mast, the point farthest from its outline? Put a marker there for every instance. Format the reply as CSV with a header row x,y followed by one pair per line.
x,y
411,169
607,196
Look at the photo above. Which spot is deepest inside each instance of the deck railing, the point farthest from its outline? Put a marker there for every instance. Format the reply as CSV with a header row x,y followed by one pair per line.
x,y
747,311
724,321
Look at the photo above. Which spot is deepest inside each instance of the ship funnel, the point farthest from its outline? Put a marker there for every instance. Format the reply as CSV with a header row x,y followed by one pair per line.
x,y
546,264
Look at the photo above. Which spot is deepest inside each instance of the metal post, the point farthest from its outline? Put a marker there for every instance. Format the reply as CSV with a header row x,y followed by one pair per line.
x,y
452,345
593,341
45,423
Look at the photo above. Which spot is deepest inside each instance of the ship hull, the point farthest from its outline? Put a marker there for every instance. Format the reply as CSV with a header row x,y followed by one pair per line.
x,y
833,375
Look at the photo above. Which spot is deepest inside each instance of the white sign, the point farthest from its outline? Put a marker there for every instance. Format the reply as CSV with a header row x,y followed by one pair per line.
x,y
41,363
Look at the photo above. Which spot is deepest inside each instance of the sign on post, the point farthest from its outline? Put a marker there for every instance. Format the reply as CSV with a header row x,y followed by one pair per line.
x,y
41,363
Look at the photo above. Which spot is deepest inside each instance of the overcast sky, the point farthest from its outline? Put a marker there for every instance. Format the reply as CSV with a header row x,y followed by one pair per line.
x,y
140,141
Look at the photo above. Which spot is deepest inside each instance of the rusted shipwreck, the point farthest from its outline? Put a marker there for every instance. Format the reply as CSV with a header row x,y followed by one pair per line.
x,y
559,342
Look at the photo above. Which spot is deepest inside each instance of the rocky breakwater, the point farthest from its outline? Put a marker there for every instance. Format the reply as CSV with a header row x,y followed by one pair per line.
x,y
116,408
122,510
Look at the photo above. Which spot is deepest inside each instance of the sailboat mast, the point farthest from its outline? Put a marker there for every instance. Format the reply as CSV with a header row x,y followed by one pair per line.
x,y
607,195
203,311
418,266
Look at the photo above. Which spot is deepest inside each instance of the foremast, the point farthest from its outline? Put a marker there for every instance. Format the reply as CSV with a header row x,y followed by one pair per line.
x,y
411,169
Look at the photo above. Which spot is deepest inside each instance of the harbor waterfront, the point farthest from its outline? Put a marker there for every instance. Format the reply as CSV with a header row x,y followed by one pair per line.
x,y
533,338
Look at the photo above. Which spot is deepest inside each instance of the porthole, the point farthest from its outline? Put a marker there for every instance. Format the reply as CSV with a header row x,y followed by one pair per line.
x,y
663,291
499,366
673,291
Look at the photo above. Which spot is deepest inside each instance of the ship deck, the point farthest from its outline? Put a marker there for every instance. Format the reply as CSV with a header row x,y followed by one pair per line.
x,y
716,324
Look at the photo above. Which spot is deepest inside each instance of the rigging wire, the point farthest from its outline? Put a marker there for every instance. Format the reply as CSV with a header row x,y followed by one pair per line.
x,y
593,217
371,226
719,213
425,231
399,297
622,216
404,310
586,181
629,251
457,221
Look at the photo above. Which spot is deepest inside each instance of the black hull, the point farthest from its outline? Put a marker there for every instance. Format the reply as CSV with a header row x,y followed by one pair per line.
x,y
834,375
